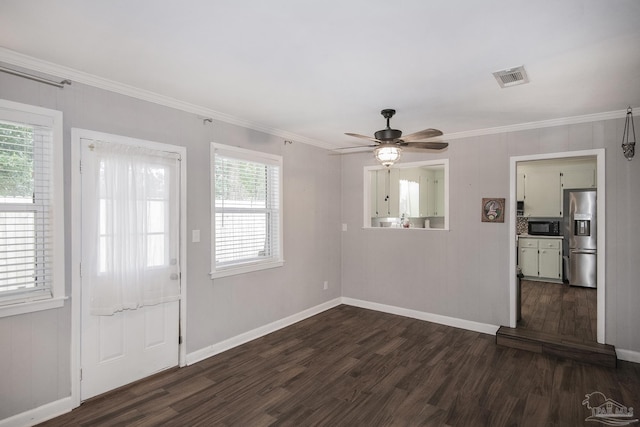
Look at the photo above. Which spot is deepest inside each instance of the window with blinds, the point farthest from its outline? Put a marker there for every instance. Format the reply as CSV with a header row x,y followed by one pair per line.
x,y
27,179
246,207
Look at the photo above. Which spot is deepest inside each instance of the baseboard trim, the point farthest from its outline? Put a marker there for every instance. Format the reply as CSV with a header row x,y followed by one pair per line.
x,y
243,338
40,414
628,355
455,322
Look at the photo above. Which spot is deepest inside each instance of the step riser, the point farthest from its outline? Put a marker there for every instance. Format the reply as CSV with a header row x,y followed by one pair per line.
x,y
603,355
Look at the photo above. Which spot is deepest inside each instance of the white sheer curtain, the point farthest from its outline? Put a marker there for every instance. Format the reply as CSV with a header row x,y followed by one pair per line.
x,y
136,232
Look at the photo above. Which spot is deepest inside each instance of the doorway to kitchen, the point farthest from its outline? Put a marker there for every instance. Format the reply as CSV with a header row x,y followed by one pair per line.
x,y
551,306
558,309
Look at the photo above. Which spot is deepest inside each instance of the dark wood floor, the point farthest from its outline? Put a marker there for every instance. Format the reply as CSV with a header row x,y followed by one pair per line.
x,y
355,367
568,311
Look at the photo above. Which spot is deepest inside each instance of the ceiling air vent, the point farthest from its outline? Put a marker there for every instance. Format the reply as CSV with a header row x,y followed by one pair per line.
x,y
511,77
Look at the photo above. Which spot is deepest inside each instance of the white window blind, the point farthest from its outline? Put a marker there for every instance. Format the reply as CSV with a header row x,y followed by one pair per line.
x,y
246,199
26,226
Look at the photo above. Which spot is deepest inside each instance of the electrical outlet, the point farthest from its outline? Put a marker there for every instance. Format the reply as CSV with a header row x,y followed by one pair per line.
x,y
326,285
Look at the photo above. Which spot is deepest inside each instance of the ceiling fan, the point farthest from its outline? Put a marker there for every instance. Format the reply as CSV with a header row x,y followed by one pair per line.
x,y
389,143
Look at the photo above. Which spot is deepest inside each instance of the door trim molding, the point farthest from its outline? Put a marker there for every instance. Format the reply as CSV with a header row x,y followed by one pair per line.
x,y
601,276
76,246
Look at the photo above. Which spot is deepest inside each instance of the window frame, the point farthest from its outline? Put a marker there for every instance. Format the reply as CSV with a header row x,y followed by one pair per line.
x,y
277,259
37,301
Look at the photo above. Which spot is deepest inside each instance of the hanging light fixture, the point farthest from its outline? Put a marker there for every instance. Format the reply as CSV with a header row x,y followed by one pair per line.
x,y
628,141
387,155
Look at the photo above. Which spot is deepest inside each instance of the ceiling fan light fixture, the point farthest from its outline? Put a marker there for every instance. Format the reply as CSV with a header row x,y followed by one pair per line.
x,y
387,155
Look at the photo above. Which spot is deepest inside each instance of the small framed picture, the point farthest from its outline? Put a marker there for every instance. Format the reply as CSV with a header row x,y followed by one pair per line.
x,y
492,210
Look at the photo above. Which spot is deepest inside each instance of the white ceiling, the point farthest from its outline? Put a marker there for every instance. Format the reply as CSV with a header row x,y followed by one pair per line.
x,y
317,69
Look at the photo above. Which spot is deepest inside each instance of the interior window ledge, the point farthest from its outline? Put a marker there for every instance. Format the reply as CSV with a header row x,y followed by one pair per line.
x,y
248,268
31,306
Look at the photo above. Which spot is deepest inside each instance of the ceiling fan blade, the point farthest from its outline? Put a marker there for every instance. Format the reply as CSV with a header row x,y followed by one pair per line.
x,y
423,134
357,135
425,145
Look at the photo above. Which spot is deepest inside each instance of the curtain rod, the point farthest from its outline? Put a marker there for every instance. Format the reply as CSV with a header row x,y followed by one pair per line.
x,y
35,78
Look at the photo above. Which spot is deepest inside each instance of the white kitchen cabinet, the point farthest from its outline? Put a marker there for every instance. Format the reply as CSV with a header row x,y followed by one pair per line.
x,y
543,196
373,198
540,259
528,259
380,194
438,188
582,176
426,194
550,258
520,191
432,193
541,183
385,193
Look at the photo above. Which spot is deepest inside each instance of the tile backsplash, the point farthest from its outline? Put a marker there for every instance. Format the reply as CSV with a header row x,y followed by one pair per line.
x,y
522,225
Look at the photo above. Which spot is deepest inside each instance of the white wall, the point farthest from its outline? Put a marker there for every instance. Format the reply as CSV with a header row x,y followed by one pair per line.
x,y
35,356
463,273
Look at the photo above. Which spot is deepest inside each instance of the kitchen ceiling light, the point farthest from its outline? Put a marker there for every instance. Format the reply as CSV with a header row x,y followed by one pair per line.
x,y
629,146
387,155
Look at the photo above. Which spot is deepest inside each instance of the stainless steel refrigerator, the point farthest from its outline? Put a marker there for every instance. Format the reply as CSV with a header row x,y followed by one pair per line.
x,y
580,242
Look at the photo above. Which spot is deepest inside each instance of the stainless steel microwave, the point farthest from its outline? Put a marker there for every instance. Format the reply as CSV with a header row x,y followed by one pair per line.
x,y
544,228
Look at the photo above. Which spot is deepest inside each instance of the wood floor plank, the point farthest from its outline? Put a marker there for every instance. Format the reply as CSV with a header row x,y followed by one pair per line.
x,y
559,309
354,367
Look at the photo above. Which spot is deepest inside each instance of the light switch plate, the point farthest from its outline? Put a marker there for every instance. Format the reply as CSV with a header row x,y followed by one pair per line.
x,y
195,236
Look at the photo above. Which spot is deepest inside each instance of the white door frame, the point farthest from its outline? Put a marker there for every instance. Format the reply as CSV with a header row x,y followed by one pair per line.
x,y
600,260
76,247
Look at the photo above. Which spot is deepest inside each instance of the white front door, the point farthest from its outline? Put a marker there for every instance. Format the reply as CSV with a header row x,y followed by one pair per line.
x,y
138,338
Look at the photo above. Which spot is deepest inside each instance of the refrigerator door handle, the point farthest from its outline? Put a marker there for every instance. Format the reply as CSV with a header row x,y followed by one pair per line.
x,y
584,251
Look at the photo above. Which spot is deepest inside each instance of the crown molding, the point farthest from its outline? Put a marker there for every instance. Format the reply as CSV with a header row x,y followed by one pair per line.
x,y
30,63
49,68
539,124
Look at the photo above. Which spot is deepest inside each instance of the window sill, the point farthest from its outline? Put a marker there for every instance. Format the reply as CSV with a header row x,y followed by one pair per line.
x,y
31,306
232,271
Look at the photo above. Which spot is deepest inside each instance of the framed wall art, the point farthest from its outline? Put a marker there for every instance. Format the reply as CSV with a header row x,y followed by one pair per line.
x,y
492,210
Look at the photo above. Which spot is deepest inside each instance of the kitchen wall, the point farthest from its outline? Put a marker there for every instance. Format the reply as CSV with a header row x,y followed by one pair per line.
x,y
35,356
464,272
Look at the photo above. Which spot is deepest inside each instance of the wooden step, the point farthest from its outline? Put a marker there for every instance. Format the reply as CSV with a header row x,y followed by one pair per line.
x,y
558,346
